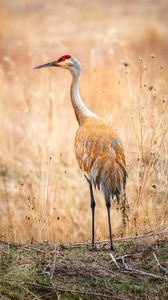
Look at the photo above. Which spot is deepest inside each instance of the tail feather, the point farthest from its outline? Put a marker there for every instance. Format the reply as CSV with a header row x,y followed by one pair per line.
x,y
109,175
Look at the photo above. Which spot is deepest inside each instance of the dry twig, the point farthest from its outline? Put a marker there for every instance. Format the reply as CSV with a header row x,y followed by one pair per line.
x,y
136,271
114,260
63,289
158,263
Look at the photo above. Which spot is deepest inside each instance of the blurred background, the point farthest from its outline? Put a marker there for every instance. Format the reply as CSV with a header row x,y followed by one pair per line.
x,y
123,48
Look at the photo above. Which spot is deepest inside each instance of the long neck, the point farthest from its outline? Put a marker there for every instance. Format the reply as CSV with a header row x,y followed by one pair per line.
x,y
81,111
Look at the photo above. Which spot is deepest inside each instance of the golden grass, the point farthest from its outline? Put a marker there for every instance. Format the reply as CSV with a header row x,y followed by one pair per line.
x,y
123,50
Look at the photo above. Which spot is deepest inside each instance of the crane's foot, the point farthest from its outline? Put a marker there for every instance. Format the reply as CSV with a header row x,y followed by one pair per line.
x,y
112,248
93,247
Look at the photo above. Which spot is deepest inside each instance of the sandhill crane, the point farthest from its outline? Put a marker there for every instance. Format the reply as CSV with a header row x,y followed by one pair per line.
x,y
98,148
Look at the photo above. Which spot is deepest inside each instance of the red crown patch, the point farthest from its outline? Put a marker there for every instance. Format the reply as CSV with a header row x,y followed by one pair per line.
x,y
64,57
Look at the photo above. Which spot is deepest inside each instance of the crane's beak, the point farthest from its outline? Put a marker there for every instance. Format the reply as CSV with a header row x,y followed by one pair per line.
x,y
51,64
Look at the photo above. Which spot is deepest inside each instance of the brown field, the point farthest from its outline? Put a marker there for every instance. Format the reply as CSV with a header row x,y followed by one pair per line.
x,y
123,49
46,271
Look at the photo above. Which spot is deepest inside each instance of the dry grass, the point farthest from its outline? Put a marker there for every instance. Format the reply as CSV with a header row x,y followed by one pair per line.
x,y
73,272
123,50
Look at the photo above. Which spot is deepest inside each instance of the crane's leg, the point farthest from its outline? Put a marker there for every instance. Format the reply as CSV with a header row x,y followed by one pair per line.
x,y
108,205
92,204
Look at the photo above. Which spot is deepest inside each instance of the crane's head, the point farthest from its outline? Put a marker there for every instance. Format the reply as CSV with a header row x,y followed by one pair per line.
x,y
65,62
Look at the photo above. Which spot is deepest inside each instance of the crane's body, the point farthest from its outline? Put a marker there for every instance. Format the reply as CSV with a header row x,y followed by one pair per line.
x,y
98,148
100,155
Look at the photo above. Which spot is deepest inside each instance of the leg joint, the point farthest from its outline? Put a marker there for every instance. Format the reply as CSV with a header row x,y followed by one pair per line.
x,y
92,200
107,199
108,204
92,204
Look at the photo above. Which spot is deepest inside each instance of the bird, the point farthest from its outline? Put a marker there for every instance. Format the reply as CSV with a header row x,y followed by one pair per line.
x,y
98,147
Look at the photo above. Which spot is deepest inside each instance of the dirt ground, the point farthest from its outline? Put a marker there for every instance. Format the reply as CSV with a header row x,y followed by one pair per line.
x,y
123,50
76,271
